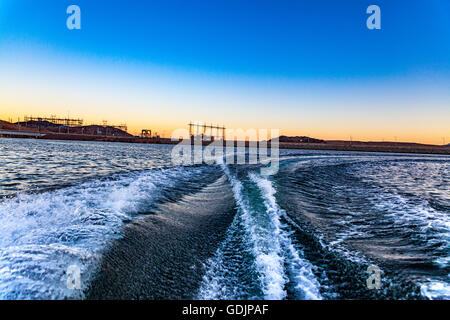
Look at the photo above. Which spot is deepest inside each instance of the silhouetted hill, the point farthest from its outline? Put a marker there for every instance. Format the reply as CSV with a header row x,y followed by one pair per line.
x,y
13,127
45,126
301,139
38,124
100,130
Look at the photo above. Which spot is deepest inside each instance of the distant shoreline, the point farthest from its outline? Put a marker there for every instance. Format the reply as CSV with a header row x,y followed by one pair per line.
x,y
358,146
370,147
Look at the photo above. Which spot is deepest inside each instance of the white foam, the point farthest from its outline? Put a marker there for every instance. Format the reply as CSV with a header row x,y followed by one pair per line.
x,y
434,225
266,249
305,282
218,282
436,290
269,243
43,234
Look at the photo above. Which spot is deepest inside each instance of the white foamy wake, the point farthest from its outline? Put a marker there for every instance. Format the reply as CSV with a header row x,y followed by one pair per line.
x,y
43,234
306,283
270,244
220,281
434,229
436,290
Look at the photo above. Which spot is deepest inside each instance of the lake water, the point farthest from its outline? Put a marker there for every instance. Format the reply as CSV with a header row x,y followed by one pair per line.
x,y
308,232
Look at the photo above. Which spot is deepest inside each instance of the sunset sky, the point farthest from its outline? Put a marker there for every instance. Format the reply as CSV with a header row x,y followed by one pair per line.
x,y
304,67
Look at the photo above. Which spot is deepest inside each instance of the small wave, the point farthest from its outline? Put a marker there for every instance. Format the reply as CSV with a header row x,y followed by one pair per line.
x,y
397,220
43,234
223,276
268,264
436,290
306,283
433,225
276,262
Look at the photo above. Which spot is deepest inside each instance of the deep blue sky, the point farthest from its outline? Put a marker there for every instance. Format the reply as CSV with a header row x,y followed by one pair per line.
x,y
293,38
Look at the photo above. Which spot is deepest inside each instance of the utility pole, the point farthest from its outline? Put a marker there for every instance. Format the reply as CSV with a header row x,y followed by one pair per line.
x,y
190,129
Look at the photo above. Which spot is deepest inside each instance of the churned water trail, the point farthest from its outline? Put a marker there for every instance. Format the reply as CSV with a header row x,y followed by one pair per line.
x,y
300,270
277,267
389,211
43,234
139,227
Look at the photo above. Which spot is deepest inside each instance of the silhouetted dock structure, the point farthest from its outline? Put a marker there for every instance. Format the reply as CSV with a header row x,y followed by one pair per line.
x,y
205,131
53,119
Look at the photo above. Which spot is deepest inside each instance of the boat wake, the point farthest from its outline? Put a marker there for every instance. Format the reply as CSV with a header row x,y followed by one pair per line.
x,y
258,259
43,234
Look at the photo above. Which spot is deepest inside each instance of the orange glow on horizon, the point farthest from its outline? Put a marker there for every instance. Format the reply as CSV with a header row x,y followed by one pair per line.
x,y
165,127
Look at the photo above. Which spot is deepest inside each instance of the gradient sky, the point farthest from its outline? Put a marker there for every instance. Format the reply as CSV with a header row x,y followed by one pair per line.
x,y
305,67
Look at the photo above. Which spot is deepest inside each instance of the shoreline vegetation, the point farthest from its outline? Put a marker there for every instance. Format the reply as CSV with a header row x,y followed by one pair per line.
x,y
10,130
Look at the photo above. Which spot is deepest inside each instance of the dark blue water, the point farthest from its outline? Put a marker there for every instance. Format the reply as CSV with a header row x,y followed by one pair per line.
x,y
308,232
